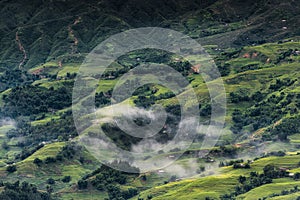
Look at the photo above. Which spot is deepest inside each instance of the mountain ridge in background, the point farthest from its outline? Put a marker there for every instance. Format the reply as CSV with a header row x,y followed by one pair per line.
x,y
47,30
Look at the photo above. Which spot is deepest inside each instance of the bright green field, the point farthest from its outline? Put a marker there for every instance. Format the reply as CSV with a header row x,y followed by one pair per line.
x,y
216,185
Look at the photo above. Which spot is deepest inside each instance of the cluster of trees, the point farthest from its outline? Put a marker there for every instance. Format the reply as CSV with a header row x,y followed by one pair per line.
x,y
174,109
220,60
251,66
224,68
273,172
104,168
55,130
280,83
147,101
287,127
285,192
146,56
113,74
296,176
102,99
265,112
107,179
241,166
243,95
246,184
272,153
14,77
228,151
115,193
69,151
231,162
119,137
51,181
283,55
48,160
145,94
108,176
276,153
22,191
154,56
30,100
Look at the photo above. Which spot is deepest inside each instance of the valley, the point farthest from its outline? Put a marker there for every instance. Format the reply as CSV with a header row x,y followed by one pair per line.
x,y
254,45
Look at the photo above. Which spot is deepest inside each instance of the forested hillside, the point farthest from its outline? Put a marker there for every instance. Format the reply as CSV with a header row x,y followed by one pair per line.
x,y
254,44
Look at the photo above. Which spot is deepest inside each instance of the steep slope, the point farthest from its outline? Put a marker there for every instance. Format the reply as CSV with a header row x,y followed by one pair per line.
x,y
250,69
213,187
44,42
43,28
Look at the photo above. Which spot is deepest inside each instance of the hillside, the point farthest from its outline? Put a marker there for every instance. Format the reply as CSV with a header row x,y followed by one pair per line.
x,y
212,187
61,31
256,48
249,139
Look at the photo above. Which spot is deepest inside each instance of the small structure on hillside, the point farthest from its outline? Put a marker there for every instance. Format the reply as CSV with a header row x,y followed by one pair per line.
x,y
196,68
246,55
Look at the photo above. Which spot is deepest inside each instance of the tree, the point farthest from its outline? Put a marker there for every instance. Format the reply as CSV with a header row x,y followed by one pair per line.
x,y
37,161
242,179
49,189
82,184
297,176
11,168
270,171
247,166
22,191
5,145
51,181
66,179
201,169
144,177
257,96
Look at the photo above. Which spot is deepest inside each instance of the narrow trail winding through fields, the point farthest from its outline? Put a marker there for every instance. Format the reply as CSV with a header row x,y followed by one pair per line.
x,y
22,49
72,35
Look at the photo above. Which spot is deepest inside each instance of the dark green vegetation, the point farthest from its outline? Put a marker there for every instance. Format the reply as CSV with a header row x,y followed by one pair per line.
x,y
255,45
31,100
22,191
48,30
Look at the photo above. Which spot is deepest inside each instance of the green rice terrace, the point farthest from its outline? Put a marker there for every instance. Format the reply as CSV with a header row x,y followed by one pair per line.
x,y
255,46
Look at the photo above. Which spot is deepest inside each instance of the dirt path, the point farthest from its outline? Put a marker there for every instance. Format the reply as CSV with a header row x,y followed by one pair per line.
x,y
22,49
72,35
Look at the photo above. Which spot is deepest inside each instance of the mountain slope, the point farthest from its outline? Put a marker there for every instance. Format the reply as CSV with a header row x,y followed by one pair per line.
x,y
34,33
255,45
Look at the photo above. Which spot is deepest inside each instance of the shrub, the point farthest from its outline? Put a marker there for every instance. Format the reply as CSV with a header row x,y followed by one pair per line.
x,y
66,179
51,181
37,161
